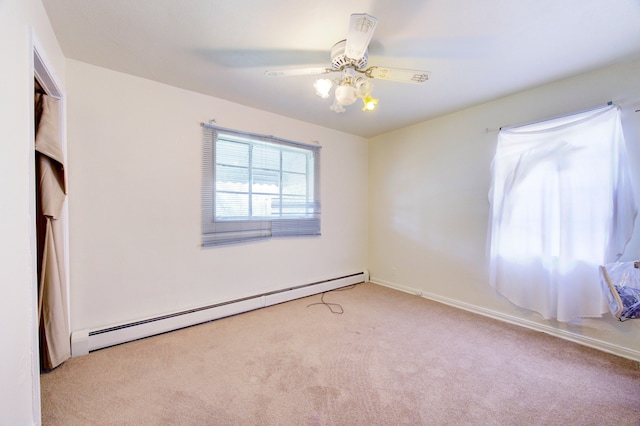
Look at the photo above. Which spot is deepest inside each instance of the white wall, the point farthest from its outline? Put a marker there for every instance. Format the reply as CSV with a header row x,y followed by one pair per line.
x,y
19,379
428,187
135,152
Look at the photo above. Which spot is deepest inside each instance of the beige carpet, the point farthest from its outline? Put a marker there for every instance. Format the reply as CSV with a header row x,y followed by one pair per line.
x,y
390,359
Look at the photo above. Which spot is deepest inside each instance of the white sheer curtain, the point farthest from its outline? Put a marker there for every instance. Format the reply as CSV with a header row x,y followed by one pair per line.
x,y
561,205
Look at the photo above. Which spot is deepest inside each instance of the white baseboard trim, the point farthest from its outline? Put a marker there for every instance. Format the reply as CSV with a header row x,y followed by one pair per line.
x,y
501,316
87,340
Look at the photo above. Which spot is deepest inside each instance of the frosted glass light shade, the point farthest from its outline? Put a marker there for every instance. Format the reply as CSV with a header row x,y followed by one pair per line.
x,y
346,95
322,86
337,106
364,88
369,103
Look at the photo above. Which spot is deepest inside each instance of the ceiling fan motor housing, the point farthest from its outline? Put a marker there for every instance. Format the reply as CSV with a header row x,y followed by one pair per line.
x,y
339,60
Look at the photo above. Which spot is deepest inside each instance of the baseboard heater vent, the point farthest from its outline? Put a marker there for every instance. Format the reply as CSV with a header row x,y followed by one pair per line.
x,y
87,340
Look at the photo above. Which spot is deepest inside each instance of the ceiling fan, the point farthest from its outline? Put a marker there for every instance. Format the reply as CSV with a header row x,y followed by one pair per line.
x,y
349,58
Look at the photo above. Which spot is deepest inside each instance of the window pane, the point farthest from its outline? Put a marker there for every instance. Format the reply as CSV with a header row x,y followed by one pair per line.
x,y
263,205
294,184
232,153
266,157
266,181
232,179
229,205
294,162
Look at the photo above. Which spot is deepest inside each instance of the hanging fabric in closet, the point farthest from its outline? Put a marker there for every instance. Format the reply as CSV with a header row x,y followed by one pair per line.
x,y
52,297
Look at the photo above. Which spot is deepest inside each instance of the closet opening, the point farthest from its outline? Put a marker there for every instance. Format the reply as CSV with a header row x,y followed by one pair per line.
x,y
50,248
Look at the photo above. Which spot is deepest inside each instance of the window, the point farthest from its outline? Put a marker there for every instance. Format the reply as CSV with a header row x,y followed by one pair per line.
x,y
561,205
257,186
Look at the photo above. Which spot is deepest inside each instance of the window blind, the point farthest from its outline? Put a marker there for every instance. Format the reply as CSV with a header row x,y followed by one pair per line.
x,y
257,186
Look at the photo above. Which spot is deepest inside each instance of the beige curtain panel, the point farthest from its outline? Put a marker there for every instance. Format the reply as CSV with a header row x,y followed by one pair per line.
x,y
52,301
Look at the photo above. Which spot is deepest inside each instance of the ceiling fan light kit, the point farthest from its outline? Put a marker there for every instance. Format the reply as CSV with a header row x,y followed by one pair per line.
x,y
349,57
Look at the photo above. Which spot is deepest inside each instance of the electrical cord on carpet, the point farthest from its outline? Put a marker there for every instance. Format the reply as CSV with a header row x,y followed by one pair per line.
x,y
335,308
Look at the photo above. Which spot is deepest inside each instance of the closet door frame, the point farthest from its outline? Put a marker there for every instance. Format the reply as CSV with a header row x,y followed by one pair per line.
x,y
40,69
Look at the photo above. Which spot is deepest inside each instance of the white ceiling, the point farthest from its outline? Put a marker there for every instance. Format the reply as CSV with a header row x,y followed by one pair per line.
x,y
476,50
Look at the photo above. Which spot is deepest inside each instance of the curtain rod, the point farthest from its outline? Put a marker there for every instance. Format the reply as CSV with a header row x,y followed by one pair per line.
x,y
610,103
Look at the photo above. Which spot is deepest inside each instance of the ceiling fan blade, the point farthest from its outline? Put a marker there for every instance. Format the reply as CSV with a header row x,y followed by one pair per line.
x,y
300,71
398,74
361,28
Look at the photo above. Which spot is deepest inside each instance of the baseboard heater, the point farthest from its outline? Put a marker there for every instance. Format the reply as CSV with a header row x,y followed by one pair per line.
x,y
87,340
